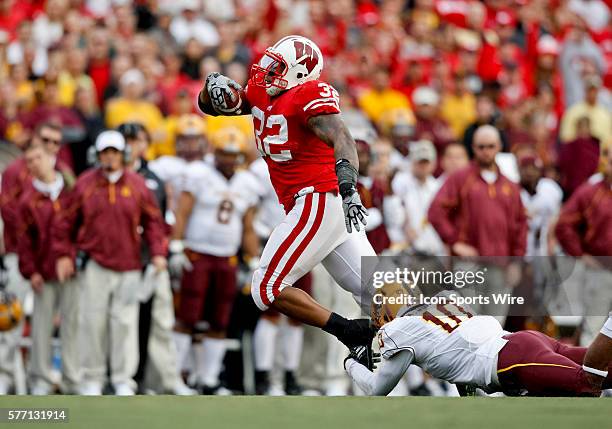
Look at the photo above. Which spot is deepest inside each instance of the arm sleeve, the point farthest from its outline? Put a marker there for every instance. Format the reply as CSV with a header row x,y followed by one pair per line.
x,y
386,377
442,207
569,225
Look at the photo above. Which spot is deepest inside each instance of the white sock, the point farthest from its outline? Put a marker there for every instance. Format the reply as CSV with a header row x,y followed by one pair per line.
x,y
264,339
209,360
182,342
291,343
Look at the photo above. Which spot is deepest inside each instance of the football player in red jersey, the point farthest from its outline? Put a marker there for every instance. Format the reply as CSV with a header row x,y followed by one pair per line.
x,y
312,158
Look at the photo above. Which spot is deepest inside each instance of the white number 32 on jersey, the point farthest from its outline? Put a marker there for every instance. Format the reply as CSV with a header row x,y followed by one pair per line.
x,y
265,145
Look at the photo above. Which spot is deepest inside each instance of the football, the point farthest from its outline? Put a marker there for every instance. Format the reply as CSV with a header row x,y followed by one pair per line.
x,y
224,103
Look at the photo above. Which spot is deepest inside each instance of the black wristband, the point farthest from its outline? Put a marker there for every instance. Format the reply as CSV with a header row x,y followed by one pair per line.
x,y
347,177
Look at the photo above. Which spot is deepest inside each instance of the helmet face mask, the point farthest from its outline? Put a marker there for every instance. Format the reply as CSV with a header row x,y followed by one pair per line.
x,y
292,61
269,73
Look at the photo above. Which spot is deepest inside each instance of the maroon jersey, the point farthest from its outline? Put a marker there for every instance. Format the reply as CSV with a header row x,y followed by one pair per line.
x,y
296,157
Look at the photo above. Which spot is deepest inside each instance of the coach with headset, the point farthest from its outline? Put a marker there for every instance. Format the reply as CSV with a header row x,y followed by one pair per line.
x,y
109,212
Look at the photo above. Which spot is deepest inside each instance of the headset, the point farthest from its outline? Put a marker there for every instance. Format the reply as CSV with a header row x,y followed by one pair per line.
x,y
92,153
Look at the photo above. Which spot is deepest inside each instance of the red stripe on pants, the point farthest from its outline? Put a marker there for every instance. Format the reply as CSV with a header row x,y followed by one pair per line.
x,y
282,249
300,249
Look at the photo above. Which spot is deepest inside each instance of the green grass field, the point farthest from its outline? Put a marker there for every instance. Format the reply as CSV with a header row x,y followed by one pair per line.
x,y
168,412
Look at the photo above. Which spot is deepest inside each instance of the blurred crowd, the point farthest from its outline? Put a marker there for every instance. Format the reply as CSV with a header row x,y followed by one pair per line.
x,y
482,128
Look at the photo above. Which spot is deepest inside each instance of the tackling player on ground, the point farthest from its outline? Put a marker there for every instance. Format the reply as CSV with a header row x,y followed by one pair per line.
x,y
311,157
453,343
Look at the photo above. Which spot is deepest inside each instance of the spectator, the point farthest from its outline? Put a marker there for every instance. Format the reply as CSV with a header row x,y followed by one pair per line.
x,y
458,107
190,25
398,126
478,212
416,189
584,231
541,197
372,193
38,206
86,107
455,158
381,97
108,206
600,118
429,125
130,106
579,57
578,159
486,114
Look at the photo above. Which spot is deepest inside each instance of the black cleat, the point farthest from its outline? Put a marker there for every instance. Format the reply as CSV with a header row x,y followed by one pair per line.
x,y
262,382
291,385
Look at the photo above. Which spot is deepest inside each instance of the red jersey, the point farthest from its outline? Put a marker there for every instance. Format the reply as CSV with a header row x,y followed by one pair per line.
x,y
296,157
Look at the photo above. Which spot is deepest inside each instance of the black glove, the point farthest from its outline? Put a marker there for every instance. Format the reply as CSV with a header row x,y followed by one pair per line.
x,y
365,356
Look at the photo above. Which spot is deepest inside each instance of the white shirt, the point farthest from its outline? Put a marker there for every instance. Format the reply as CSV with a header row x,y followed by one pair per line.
x,y
542,207
416,197
172,170
216,222
53,189
270,212
203,31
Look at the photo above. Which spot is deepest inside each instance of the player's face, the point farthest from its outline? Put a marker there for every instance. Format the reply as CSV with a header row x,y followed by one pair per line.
x,y
190,148
530,174
226,162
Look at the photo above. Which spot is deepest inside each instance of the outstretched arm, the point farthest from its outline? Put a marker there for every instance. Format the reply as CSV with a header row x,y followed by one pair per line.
x,y
386,377
332,130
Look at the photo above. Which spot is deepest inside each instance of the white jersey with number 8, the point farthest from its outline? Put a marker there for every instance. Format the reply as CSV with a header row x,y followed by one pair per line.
x,y
216,222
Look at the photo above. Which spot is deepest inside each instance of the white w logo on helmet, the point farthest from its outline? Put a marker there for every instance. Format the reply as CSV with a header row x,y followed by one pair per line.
x,y
292,61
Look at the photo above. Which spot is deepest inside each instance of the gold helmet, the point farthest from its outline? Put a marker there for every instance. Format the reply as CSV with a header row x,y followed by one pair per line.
x,y
190,125
229,139
387,302
11,312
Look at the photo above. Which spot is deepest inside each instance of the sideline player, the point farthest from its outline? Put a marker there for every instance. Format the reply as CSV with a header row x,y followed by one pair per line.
x,y
452,343
214,217
311,157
